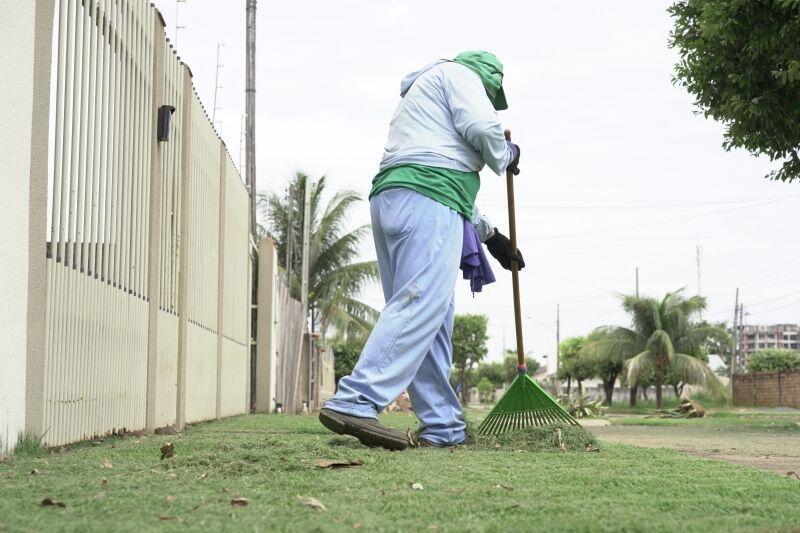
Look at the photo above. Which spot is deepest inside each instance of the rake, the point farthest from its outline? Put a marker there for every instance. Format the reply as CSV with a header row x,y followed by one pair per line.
x,y
525,403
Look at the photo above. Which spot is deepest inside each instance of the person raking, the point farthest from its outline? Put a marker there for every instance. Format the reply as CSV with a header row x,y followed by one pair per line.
x,y
425,226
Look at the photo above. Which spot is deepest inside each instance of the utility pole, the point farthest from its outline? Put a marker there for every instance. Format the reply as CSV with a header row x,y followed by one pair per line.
x,y
558,348
178,26
699,250
289,234
217,87
637,282
740,361
304,278
250,110
735,338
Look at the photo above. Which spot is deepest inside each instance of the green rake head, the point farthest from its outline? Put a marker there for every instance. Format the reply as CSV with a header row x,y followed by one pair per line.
x,y
523,405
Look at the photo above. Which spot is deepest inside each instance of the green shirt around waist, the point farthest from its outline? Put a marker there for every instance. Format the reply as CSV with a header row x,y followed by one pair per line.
x,y
457,190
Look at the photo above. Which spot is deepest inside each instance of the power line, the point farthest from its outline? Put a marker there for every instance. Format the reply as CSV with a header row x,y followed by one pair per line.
x,y
654,223
640,206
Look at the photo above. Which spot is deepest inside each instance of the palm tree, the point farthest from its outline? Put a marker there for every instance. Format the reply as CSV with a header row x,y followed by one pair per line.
x,y
335,280
664,337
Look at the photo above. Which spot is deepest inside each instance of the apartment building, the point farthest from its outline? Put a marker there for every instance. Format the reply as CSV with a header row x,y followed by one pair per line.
x,y
778,336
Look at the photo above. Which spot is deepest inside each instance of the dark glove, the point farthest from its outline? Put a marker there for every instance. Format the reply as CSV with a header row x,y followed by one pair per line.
x,y
514,165
500,247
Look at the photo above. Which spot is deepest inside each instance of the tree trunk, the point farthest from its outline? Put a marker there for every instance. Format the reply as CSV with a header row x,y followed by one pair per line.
x,y
658,394
634,394
580,388
608,387
677,389
569,386
644,393
464,385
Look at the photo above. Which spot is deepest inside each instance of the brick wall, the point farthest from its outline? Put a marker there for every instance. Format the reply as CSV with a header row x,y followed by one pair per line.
x,y
767,389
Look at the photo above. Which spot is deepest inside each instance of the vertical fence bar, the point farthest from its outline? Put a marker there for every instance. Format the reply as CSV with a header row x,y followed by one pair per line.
x,y
84,126
91,112
223,182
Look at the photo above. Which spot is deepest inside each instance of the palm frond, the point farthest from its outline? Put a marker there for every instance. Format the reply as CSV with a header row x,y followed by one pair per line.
x,y
637,367
697,372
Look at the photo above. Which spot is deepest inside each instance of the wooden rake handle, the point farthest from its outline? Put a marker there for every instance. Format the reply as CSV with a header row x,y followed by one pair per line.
x,y
512,229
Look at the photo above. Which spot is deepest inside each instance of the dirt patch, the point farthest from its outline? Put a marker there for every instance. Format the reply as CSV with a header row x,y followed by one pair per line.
x,y
778,452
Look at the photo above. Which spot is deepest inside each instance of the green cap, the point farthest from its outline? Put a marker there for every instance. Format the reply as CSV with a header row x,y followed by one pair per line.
x,y
490,70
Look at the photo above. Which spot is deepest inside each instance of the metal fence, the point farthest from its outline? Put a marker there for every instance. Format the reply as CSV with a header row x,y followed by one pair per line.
x,y
148,250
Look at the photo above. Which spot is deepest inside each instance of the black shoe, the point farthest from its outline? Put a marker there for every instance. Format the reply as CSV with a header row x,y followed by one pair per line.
x,y
367,430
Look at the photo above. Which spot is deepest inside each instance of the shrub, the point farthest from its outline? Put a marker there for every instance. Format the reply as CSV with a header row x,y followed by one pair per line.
x,y
771,360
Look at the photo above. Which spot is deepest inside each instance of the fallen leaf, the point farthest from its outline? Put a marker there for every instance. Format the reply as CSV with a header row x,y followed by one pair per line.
x,y
504,487
793,474
411,440
106,464
166,517
100,495
339,464
590,448
167,450
170,498
172,475
417,486
357,525
313,503
103,482
203,475
496,446
34,471
97,442
240,502
50,502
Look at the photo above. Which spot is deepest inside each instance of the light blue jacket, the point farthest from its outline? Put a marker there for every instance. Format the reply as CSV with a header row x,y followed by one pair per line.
x,y
446,120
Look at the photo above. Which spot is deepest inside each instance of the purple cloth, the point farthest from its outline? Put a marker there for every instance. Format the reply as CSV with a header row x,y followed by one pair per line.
x,y
473,261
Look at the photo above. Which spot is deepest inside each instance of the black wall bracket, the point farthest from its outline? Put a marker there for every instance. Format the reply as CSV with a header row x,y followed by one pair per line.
x,y
164,119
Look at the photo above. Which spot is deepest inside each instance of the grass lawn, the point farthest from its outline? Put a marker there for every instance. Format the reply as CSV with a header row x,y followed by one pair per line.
x,y
723,419
270,460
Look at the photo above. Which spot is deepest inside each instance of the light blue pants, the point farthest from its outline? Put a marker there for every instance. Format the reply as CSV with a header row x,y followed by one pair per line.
x,y
418,242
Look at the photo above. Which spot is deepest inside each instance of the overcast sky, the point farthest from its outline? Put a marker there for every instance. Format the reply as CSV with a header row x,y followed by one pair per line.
x,y
617,170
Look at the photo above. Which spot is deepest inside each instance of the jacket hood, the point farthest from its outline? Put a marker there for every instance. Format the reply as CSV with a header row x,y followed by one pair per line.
x,y
409,80
485,65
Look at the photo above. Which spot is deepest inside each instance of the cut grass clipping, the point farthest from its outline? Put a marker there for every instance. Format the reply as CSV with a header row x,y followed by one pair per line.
x,y
539,439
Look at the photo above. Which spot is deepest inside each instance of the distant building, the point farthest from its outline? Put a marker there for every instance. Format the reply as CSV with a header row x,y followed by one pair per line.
x,y
778,336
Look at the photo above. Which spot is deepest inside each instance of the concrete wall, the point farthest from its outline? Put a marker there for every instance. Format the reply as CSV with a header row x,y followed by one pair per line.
x,y
16,81
24,59
767,389
97,318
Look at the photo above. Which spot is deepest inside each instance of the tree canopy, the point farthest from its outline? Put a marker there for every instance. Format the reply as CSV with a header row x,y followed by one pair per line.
x,y
772,360
336,278
740,60
469,345
665,337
